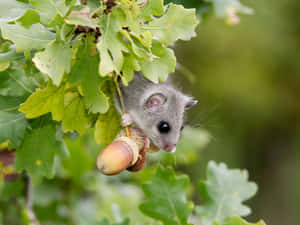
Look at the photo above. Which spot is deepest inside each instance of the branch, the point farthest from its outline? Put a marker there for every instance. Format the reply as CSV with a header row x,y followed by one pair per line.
x,y
30,213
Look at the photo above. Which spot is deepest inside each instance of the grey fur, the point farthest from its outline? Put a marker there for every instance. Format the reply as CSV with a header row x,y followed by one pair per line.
x,y
135,96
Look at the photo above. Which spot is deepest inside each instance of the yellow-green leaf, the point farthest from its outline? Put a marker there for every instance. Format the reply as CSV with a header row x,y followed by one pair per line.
x,y
49,99
54,61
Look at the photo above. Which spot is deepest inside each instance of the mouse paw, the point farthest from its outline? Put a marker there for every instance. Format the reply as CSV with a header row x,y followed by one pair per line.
x,y
126,120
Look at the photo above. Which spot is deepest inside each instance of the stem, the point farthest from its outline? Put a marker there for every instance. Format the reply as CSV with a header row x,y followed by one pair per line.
x,y
121,101
29,209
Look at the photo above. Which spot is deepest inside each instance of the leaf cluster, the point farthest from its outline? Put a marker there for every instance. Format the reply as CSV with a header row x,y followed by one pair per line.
x,y
96,200
63,58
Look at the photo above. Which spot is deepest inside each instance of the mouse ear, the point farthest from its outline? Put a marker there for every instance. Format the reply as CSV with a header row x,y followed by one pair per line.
x,y
155,101
190,103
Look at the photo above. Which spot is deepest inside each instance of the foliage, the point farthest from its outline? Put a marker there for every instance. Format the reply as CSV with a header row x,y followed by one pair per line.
x,y
96,197
73,67
59,61
224,186
166,198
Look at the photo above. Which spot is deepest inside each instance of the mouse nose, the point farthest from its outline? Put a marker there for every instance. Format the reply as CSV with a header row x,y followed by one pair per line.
x,y
170,147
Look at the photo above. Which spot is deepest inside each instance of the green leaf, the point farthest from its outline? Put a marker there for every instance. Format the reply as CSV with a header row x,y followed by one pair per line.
x,y
166,198
56,23
9,54
36,155
75,117
85,70
68,107
106,222
30,17
163,63
49,8
12,122
177,23
12,189
54,61
108,125
223,194
153,7
4,65
132,12
16,83
49,99
81,17
137,46
36,37
238,221
11,9
79,161
130,65
111,45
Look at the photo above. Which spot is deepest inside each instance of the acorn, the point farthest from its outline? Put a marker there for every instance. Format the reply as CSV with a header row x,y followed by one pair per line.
x,y
140,163
123,153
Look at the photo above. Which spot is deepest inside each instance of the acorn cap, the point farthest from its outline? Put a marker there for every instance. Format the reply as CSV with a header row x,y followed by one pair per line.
x,y
140,163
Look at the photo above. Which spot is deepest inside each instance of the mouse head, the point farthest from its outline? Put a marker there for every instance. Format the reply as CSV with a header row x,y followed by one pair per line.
x,y
163,115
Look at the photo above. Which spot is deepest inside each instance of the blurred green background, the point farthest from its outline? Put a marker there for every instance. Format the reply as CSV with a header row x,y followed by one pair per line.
x,y
248,87
247,81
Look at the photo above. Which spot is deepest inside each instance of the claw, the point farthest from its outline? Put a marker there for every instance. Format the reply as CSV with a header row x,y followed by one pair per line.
x,y
126,120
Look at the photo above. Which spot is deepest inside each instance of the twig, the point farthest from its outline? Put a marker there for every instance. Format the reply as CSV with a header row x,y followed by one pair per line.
x,y
121,101
29,209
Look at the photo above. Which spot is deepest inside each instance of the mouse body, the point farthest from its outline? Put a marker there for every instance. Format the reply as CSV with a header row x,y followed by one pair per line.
x,y
156,108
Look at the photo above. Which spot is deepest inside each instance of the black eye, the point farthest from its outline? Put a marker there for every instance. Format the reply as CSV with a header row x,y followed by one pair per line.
x,y
181,128
164,127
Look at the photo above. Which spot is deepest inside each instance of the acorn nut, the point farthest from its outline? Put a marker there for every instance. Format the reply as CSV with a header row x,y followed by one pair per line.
x,y
117,156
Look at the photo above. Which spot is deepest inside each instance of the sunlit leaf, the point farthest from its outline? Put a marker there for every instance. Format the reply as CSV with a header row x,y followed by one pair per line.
x,y
36,37
107,129
54,61
152,8
111,45
30,17
177,23
223,193
81,17
238,221
49,8
49,99
11,9
162,63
